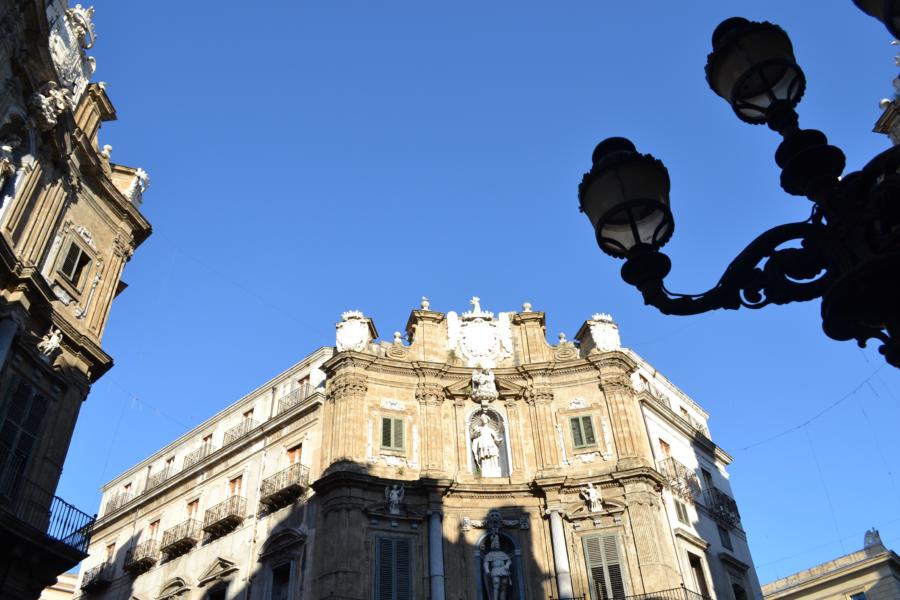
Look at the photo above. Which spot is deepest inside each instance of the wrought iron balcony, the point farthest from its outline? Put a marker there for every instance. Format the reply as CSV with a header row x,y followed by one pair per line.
x,y
192,458
181,538
292,399
284,487
239,431
722,507
225,516
158,478
682,481
118,501
142,557
681,593
98,578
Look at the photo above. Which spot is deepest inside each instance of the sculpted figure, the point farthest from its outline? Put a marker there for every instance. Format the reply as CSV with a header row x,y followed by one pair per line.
x,y
7,159
497,569
486,448
484,387
591,495
394,494
50,342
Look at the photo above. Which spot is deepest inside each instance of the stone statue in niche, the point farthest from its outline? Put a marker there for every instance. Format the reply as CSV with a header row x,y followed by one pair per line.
x,y
484,386
7,158
486,439
497,568
393,495
591,496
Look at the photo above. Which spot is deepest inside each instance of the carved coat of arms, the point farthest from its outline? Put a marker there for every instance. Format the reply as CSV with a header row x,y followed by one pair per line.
x,y
479,338
352,332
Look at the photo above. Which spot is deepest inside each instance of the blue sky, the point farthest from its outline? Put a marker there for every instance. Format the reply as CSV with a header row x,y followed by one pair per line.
x,y
311,157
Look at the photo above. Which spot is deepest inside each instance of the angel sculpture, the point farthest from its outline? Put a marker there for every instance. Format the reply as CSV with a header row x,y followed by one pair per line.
x,y
393,496
591,496
486,441
50,342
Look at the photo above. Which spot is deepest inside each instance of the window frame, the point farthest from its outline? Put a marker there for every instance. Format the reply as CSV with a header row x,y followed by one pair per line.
x,y
580,420
84,274
681,512
602,539
725,538
410,567
396,424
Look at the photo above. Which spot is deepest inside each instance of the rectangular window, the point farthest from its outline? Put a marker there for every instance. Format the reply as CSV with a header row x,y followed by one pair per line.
x,y
684,413
393,569
21,422
170,462
153,530
126,489
110,554
698,575
248,415
192,507
604,567
294,454
665,448
582,432
281,582
392,433
707,478
725,538
681,511
234,486
75,264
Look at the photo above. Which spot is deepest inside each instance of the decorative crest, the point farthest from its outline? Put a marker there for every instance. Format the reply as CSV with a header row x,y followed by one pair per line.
x,y
354,332
478,337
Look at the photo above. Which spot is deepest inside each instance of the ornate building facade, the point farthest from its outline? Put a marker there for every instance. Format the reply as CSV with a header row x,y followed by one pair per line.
x,y
69,221
468,458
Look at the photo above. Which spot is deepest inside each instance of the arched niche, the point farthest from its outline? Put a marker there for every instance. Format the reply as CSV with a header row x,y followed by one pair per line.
x,y
477,438
489,544
17,135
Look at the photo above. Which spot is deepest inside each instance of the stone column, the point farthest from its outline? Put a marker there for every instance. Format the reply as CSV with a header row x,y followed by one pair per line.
x,y
436,555
8,330
560,556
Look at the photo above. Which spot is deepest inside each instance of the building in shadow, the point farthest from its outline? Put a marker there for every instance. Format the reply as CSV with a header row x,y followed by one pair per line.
x,y
872,573
69,221
466,459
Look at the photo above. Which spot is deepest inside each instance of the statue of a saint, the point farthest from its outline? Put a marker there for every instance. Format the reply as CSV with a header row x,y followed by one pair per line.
x,y
393,495
591,495
497,569
484,388
486,447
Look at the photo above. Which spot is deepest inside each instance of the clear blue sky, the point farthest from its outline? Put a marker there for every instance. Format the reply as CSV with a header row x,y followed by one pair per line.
x,y
311,157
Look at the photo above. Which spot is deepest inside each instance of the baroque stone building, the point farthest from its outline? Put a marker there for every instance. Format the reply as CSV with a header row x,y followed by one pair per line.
x,y
69,221
872,573
469,458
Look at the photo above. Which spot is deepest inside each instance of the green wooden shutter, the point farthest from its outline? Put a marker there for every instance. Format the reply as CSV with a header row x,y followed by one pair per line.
x,y
601,555
386,436
384,586
577,437
398,434
403,571
588,426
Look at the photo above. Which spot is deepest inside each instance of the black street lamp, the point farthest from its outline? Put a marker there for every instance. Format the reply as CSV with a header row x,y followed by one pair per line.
x,y
847,252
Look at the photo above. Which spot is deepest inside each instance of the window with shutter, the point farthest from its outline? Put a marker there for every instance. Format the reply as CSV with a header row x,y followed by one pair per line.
x,y
75,263
601,555
582,432
21,420
393,569
392,433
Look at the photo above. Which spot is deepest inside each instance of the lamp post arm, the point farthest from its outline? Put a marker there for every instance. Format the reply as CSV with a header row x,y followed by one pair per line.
x,y
763,273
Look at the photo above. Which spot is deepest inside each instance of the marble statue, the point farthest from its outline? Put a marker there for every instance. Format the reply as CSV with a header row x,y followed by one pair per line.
x,y
8,159
82,23
50,343
497,565
486,447
591,495
393,495
484,387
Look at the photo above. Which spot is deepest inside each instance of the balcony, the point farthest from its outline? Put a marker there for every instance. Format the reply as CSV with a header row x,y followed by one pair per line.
x,y
225,516
284,487
98,578
142,557
239,431
158,478
118,501
683,482
681,593
181,538
292,399
722,507
192,458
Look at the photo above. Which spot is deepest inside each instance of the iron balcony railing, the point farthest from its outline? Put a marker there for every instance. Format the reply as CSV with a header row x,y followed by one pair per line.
x,y
158,478
180,538
142,557
681,593
192,458
118,501
681,480
285,486
41,510
722,507
98,577
292,399
225,516
239,431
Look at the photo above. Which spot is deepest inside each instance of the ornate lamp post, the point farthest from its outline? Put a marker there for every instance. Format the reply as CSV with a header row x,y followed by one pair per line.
x,y
847,252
